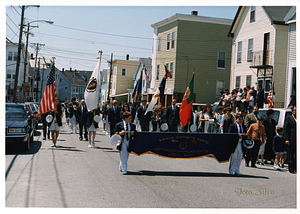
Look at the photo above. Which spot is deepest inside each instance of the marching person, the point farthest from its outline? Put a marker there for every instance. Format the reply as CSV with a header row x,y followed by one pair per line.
x,y
113,116
104,114
125,107
257,133
156,120
236,157
92,125
144,119
290,139
45,126
172,116
126,130
72,115
227,120
56,122
67,113
81,118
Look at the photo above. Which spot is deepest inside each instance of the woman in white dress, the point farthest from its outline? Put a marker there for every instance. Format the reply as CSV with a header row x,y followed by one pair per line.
x,y
92,125
206,117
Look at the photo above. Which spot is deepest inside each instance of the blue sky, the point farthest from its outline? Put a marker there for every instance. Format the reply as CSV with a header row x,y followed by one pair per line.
x,y
79,32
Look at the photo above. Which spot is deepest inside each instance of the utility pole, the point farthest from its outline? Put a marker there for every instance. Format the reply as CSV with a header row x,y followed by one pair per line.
x,y
19,56
33,76
109,83
25,61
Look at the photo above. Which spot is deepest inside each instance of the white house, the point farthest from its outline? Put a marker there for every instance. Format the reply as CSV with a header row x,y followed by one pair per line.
x,y
260,48
290,19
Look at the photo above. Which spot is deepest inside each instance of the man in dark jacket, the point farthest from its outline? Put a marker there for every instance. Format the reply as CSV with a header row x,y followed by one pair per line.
x,y
144,119
172,116
114,116
290,139
81,118
260,99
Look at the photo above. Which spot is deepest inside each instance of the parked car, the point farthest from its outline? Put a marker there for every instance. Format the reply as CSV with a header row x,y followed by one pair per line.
x,y
280,114
35,120
19,126
35,107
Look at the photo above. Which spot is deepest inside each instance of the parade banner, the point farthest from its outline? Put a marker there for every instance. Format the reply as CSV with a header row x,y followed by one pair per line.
x,y
185,145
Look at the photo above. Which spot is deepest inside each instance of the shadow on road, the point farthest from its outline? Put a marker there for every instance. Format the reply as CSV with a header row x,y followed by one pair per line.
x,y
191,174
34,148
66,148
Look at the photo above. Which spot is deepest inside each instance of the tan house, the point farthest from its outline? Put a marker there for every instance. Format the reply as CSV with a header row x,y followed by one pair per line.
x,y
188,43
122,79
259,49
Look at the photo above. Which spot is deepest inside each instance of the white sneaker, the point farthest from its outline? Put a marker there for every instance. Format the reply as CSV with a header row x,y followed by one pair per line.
x,y
90,146
276,167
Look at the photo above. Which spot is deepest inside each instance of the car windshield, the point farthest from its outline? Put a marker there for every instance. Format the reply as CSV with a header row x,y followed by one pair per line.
x,y
276,114
15,111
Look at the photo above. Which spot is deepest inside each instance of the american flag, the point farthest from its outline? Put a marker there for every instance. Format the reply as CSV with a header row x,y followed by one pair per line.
x,y
270,99
48,100
147,75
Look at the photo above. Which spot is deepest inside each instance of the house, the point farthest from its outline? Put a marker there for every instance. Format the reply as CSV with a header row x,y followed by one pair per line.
x,y
121,79
146,63
259,49
290,19
187,44
72,83
11,61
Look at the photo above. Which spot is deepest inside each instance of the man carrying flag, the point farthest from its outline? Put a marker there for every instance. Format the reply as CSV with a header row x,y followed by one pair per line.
x,y
136,95
159,91
187,104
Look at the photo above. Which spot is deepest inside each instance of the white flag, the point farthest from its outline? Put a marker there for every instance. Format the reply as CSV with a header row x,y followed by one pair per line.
x,y
153,101
91,92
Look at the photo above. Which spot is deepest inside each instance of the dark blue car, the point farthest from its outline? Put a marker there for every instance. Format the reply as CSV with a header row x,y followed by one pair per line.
x,y
19,130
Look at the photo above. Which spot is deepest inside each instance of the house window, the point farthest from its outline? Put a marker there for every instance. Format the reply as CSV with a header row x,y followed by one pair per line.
x,y
250,50
157,72
60,79
9,56
221,59
239,52
237,82
66,88
123,71
171,68
159,44
173,40
168,42
8,74
252,14
219,87
15,56
248,80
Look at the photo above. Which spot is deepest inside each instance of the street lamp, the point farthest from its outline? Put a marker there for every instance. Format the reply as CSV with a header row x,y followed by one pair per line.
x,y
25,63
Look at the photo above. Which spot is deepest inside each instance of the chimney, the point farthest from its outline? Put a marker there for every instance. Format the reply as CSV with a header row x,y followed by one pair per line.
x,y
194,13
63,69
31,56
71,69
127,57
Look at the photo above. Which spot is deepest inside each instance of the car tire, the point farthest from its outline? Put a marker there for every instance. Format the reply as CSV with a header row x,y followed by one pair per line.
x,y
31,138
26,145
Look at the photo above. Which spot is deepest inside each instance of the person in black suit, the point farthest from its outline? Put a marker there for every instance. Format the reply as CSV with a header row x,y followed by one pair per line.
x,y
73,111
126,130
290,139
270,129
114,116
81,118
157,120
260,99
236,157
56,122
172,116
45,126
144,119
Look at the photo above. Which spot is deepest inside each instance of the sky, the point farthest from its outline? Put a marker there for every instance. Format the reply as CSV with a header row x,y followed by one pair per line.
x,y
80,32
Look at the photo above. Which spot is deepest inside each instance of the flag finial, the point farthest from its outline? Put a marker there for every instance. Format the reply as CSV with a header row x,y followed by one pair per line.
x,y
53,58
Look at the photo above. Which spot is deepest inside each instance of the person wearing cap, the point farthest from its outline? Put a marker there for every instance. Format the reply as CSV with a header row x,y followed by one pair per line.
x,y
56,122
236,157
126,130
257,133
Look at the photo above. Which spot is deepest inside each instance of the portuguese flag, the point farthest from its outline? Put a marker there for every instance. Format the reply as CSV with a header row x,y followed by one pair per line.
x,y
187,103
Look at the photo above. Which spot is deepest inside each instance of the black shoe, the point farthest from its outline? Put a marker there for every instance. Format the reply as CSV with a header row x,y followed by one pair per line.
x,y
247,165
48,136
86,139
44,138
254,166
80,138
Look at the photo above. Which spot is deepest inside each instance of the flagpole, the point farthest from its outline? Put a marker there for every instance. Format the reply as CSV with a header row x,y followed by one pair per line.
x,y
53,77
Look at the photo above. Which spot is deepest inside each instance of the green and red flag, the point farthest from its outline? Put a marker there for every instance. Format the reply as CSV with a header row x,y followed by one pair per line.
x,y
187,103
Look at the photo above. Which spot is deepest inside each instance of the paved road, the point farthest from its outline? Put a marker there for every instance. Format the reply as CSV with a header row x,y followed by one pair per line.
x,y
73,175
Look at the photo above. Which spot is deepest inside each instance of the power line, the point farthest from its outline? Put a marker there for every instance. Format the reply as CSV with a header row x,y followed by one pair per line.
x,y
11,20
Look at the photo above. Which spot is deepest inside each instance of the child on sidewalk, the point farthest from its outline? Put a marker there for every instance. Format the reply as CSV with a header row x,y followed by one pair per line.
x,y
279,149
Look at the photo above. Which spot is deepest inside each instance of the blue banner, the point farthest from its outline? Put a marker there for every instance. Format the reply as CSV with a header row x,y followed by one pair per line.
x,y
185,145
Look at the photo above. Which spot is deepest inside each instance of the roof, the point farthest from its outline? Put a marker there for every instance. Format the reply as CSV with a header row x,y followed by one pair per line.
x,y
44,63
194,18
143,61
275,13
75,77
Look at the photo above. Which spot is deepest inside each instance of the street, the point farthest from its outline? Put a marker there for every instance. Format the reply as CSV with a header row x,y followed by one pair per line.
x,y
76,176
